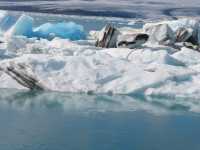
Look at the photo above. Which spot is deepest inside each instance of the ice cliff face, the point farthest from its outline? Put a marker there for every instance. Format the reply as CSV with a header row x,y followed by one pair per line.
x,y
78,66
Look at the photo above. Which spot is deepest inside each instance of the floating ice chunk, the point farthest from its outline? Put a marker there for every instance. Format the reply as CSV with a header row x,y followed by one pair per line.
x,y
64,30
99,72
111,37
6,21
107,37
176,24
161,34
22,27
190,25
183,23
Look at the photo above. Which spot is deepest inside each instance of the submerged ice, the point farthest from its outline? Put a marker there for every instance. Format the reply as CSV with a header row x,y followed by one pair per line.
x,y
60,61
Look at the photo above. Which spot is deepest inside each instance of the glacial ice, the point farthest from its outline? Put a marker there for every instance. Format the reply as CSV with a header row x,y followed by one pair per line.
x,y
191,24
63,30
5,21
24,26
78,66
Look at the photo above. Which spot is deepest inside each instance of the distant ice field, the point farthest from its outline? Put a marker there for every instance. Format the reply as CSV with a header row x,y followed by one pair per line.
x,y
151,9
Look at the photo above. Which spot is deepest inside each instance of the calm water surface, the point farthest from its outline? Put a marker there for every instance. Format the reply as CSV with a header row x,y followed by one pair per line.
x,y
58,121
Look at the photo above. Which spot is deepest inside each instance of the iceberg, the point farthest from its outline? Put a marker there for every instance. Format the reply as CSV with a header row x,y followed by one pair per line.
x,y
65,30
24,26
99,72
6,21
161,34
191,25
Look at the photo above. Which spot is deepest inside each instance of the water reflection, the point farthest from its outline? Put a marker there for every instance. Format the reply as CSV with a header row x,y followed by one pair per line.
x,y
68,102
60,121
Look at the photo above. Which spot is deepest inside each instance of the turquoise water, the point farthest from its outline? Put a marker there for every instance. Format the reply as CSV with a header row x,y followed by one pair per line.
x,y
60,121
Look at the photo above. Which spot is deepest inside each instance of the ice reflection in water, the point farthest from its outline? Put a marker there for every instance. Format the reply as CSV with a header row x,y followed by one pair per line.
x,y
59,121
26,100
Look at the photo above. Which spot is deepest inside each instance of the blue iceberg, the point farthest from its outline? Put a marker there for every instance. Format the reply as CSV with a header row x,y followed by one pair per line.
x,y
6,21
65,30
23,26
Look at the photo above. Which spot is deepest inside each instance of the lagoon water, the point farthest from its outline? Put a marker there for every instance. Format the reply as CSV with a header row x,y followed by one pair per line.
x,y
60,121
64,121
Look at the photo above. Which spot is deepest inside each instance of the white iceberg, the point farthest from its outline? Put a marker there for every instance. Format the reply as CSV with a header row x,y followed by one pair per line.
x,y
99,72
192,25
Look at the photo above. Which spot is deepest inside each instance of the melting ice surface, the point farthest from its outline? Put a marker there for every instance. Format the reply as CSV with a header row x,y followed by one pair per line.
x,y
156,73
